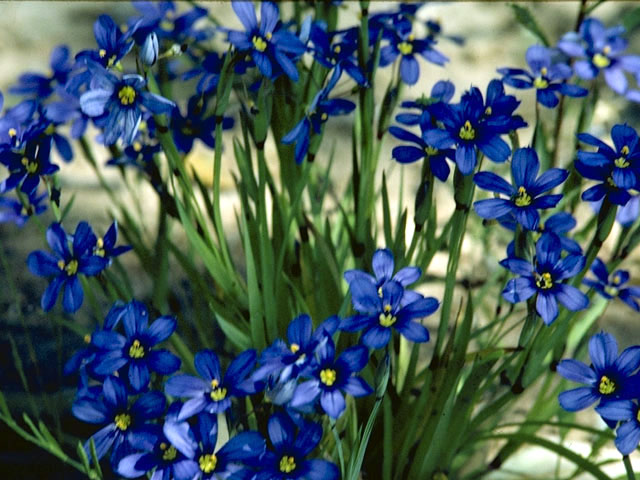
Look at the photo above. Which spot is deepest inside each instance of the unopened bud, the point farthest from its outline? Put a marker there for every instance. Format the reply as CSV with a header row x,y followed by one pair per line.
x,y
149,53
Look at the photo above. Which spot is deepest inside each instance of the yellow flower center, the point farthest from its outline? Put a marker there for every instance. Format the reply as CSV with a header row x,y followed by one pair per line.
x,y
31,167
87,338
127,95
324,116
294,347
467,132
259,43
607,386
287,464
405,48
337,49
544,281
540,83
430,151
71,268
208,462
218,394
169,452
611,290
601,61
123,421
12,132
328,377
136,350
488,111
99,248
102,52
137,146
523,199
621,162
544,71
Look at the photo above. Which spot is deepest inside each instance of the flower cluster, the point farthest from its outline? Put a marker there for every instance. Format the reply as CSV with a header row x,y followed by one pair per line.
x,y
232,400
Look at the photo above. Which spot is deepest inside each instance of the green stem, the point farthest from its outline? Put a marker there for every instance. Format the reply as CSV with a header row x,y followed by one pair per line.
x,y
464,188
628,467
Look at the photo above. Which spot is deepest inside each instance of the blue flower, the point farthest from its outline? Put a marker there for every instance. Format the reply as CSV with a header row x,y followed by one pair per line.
x,y
336,50
13,210
287,460
113,45
140,156
598,48
610,377
382,309
135,351
557,224
442,91
16,124
611,287
331,377
472,125
152,15
546,76
383,267
318,112
210,69
628,433
525,195
121,102
618,170
40,86
106,246
159,454
28,161
122,424
195,125
405,44
287,362
66,264
544,279
67,110
198,445
269,44
212,393
409,153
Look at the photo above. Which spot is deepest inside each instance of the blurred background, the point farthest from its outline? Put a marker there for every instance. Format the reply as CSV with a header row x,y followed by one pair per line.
x,y
28,32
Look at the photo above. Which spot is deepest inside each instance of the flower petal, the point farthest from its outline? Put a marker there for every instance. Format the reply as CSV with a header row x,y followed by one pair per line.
x,y
603,350
547,307
577,399
333,403
382,264
576,371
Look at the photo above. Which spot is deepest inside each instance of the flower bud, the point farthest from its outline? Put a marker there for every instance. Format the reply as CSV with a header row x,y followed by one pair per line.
x,y
149,53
